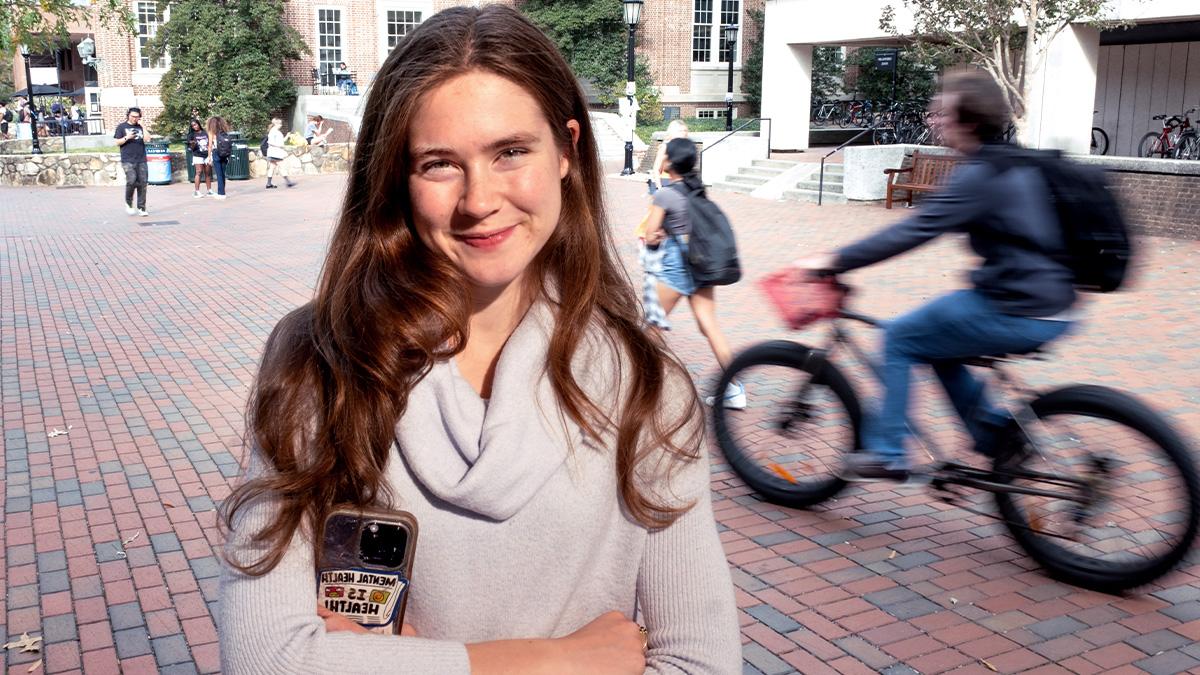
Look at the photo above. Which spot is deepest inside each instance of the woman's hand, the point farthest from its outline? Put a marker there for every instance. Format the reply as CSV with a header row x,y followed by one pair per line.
x,y
655,238
609,644
335,622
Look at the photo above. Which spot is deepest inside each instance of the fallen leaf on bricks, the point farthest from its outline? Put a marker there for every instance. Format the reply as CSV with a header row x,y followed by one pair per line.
x,y
26,643
54,432
168,504
989,666
36,664
131,539
893,555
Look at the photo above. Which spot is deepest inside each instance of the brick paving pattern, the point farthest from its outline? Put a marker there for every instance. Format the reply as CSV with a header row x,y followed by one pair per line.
x,y
139,338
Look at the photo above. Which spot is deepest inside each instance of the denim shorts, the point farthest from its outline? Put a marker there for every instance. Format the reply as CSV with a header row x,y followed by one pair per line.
x,y
675,272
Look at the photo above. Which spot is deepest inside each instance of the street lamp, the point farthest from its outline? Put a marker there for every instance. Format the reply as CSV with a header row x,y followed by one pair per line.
x,y
633,12
37,149
730,34
87,52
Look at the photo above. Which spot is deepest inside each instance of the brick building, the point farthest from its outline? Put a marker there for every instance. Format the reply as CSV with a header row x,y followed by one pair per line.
x,y
681,39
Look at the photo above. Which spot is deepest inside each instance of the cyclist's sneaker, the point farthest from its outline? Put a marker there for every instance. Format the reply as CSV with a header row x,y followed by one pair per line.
x,y
734,399
867,467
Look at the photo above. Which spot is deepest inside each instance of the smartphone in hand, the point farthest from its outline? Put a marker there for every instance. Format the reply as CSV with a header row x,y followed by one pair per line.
x,y
364,566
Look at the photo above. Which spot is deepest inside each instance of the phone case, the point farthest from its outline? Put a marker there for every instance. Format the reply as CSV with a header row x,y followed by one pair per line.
x,y
364,566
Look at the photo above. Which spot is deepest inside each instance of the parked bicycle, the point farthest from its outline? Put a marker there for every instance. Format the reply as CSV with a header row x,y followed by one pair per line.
x,y
1099,140
1097,487
1167,142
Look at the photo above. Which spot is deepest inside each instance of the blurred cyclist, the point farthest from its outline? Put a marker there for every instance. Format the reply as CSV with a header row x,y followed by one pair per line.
x,y
1021,297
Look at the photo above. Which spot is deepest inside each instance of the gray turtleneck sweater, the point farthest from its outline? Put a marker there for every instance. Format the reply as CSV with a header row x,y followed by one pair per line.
x,y
522,535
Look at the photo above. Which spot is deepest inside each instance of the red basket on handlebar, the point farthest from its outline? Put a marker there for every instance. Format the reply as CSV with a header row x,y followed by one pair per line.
x,y
800,297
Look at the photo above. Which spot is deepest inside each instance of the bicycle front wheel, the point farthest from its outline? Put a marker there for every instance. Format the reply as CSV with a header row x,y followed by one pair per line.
x,y
1126,497
1189,147
802,417
1152,145
1099,141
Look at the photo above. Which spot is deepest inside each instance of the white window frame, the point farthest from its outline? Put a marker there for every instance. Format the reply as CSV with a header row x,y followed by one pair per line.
x,y
382,7
715,52
342,47
716,113
165,63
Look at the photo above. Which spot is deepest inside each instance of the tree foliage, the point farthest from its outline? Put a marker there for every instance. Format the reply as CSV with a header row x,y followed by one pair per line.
x,y
994,34
43,24
592,35
828,73
752,67
6,74
916,75
227,59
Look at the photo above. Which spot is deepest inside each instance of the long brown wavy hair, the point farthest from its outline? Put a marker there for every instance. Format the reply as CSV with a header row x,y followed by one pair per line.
x,y
336,373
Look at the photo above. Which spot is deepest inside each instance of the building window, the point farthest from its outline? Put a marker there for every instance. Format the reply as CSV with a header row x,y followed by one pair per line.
x,y
400,22
148,22
670,112
706,22
329,43
713,113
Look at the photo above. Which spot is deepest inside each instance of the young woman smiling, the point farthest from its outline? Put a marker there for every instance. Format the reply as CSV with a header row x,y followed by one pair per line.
x,y
474,355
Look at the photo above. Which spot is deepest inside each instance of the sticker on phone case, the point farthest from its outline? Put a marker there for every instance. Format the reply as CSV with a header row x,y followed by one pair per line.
x,y
367,597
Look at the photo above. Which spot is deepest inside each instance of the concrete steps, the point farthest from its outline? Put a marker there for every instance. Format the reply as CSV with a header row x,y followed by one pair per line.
x,y
750,178
808,190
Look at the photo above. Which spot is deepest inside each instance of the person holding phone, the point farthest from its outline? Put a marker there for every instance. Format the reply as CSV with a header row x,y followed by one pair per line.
x,y
131,138
473,356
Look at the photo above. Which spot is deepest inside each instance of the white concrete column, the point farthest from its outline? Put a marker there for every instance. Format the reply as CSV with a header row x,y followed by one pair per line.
x,y
1063,94
786,83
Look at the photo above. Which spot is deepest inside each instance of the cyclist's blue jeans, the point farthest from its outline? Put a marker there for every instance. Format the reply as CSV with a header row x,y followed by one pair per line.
x,y
960,325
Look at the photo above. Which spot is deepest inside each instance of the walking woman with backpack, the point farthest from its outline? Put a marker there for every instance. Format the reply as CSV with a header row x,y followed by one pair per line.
x,y
222,148
276,154
669,226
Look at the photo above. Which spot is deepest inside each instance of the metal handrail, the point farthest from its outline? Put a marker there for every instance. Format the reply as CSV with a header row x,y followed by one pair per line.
x,y
821,184
743,125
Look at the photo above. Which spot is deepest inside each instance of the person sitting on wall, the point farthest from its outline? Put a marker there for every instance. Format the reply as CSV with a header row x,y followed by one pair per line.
x,y
344,79
315,132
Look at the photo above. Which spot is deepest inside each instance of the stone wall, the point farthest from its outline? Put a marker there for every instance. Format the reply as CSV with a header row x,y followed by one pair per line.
x,y
71,169
307,160
1160,205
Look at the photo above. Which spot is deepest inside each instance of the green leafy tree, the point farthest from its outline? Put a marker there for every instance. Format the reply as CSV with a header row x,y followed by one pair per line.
x,y
592,35
6,74
43,24
752,67
1007,38
916,75
828,72
227,59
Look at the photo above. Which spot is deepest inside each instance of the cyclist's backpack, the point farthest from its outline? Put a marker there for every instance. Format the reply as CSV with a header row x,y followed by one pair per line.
x,y
1098,248
712,250
8,115
262,147
224,145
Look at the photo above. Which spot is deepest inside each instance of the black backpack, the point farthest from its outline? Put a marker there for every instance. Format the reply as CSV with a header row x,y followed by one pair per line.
x,y
712,250
224,145
8,115
262,148
1098,248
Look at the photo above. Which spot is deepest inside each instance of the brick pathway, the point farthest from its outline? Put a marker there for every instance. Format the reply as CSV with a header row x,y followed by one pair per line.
x,y
139,339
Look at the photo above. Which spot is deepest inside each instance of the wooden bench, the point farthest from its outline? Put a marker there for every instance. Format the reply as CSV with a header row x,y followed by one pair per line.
x,y
926,174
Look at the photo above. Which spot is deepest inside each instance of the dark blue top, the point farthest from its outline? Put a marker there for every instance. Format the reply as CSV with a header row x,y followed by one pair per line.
x,y
1010,222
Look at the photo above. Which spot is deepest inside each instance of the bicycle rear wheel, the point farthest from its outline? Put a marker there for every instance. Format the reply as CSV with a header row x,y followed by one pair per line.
x,y
1130,497
802,417
1099,141
1189,147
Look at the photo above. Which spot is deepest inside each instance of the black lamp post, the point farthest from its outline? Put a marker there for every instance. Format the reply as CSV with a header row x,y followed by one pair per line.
x,y
730,34
37,148
633,12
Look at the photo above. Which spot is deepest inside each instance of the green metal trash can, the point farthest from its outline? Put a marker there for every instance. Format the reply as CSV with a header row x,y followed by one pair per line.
x,y
158,164
187,159
238,166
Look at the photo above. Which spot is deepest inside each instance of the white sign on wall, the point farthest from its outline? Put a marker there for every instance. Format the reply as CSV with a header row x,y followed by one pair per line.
x,y
44,75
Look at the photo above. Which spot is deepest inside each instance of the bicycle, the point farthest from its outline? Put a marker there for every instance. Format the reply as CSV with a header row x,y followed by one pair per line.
x,y
1099,140
1166,143
1059,492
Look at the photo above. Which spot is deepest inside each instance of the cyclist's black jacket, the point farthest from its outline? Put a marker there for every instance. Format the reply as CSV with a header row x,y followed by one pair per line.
x,y
991,209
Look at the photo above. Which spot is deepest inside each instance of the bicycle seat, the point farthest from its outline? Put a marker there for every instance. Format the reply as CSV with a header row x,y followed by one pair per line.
x,y
1159,117
990,360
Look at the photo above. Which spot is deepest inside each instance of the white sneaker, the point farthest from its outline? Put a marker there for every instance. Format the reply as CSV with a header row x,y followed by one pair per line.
x,y
130,210
218,196
196,194
734,399
142,212
212,194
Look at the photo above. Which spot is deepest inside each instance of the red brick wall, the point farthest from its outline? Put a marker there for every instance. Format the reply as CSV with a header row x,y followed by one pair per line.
x,y
1160,205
